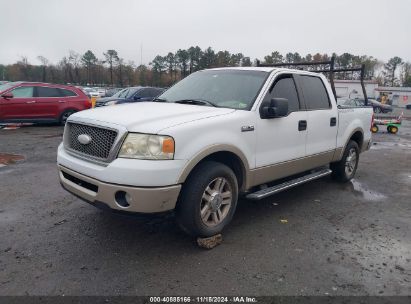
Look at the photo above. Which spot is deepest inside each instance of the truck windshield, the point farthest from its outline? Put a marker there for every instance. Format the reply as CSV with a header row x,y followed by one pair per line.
x,y
236,89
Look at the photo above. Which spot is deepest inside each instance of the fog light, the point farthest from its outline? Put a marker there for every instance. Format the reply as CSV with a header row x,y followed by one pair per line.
x,y
123,199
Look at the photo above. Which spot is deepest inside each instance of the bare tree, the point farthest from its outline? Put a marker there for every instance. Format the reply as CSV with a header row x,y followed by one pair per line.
x,y
44,63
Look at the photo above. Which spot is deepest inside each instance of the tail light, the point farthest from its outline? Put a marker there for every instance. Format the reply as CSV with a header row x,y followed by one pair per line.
x,y
88,103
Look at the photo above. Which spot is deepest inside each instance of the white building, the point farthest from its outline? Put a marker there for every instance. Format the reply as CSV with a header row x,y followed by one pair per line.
x,y
396,96
352,88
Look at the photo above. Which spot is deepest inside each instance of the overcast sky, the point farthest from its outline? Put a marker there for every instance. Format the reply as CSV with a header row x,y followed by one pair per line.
x,y
380,28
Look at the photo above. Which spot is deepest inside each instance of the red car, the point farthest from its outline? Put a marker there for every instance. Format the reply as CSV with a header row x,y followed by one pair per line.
x,y
40,102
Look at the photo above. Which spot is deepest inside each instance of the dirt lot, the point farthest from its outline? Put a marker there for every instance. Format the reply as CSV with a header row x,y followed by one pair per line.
x,y
351,239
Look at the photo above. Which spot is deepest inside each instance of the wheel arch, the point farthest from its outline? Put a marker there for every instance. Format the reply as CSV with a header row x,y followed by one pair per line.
x,y
225,154
71,108
356,135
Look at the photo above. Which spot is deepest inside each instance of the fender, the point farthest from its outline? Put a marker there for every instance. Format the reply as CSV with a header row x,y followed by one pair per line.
x,y
211,150
338,154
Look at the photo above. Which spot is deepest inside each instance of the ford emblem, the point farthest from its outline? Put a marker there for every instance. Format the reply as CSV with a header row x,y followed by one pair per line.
x,y
84,139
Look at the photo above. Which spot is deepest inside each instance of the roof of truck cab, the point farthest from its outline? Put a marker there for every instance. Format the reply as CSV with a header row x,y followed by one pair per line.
x,y
262,69
269,70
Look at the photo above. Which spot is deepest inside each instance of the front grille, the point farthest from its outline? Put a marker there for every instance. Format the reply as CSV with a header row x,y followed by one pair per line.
x,y
102,140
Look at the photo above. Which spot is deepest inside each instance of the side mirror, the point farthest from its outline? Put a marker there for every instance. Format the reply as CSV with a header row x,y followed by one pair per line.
x,y
136,97
277,107
7,95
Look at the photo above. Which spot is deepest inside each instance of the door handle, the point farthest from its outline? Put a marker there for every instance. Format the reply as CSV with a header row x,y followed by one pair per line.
x,y
333,121
33,101
62,101
302,125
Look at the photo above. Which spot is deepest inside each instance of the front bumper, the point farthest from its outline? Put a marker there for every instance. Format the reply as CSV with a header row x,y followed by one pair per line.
x,y
124,171
139,199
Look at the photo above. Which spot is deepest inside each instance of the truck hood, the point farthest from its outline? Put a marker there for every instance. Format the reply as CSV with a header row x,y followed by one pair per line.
x,y
148,117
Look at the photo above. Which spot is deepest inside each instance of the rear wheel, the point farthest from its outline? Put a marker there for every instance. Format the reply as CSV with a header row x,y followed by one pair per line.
x,y
208,199
393,129
65,115
345,169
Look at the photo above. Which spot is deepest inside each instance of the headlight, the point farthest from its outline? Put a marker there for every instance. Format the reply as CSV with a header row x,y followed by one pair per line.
x,y
146,146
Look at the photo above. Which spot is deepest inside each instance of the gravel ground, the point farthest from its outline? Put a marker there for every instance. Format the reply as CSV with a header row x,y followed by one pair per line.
x,y
339,239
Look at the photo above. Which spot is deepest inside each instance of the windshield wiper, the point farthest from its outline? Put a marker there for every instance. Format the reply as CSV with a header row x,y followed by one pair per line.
x,y
159,100
196,102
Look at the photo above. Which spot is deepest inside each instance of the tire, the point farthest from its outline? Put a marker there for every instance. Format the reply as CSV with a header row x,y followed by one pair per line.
x,y
374,129
345,169
64,116
389,129
393,130
377,110
200,192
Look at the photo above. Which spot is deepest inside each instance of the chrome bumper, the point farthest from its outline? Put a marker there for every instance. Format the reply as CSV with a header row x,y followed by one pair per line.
x,y
119,197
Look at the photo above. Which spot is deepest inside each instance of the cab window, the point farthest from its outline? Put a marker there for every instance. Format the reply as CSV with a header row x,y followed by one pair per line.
x,y
284,87
315,94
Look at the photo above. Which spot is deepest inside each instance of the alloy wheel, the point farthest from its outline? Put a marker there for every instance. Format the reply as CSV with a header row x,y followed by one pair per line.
x,y
216,202
351,162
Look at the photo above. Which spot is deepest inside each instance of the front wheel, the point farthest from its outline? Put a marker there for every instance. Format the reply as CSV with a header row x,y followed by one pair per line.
x,y
345,169
208,199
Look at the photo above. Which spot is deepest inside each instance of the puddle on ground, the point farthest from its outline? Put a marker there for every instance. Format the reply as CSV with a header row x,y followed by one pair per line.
x,y
6,159
390,145
368,194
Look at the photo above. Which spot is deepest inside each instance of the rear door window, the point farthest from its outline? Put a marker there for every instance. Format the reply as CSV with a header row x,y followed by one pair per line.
x,y
66,93
48,92
315,94
23,92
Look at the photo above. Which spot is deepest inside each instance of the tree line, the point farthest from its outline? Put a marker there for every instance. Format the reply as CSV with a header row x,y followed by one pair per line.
x,y
112,70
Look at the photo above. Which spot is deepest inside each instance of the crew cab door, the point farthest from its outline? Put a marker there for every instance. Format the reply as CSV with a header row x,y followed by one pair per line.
x,y
282,139
322,124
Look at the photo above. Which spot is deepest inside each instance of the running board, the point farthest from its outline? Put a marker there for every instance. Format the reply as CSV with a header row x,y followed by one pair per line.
x,y
289,184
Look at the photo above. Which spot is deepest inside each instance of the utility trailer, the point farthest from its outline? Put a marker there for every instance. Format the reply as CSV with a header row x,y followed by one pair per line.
x,y
392,122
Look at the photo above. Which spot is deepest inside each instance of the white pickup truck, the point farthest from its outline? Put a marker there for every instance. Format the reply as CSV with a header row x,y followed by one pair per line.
x,y
214,135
